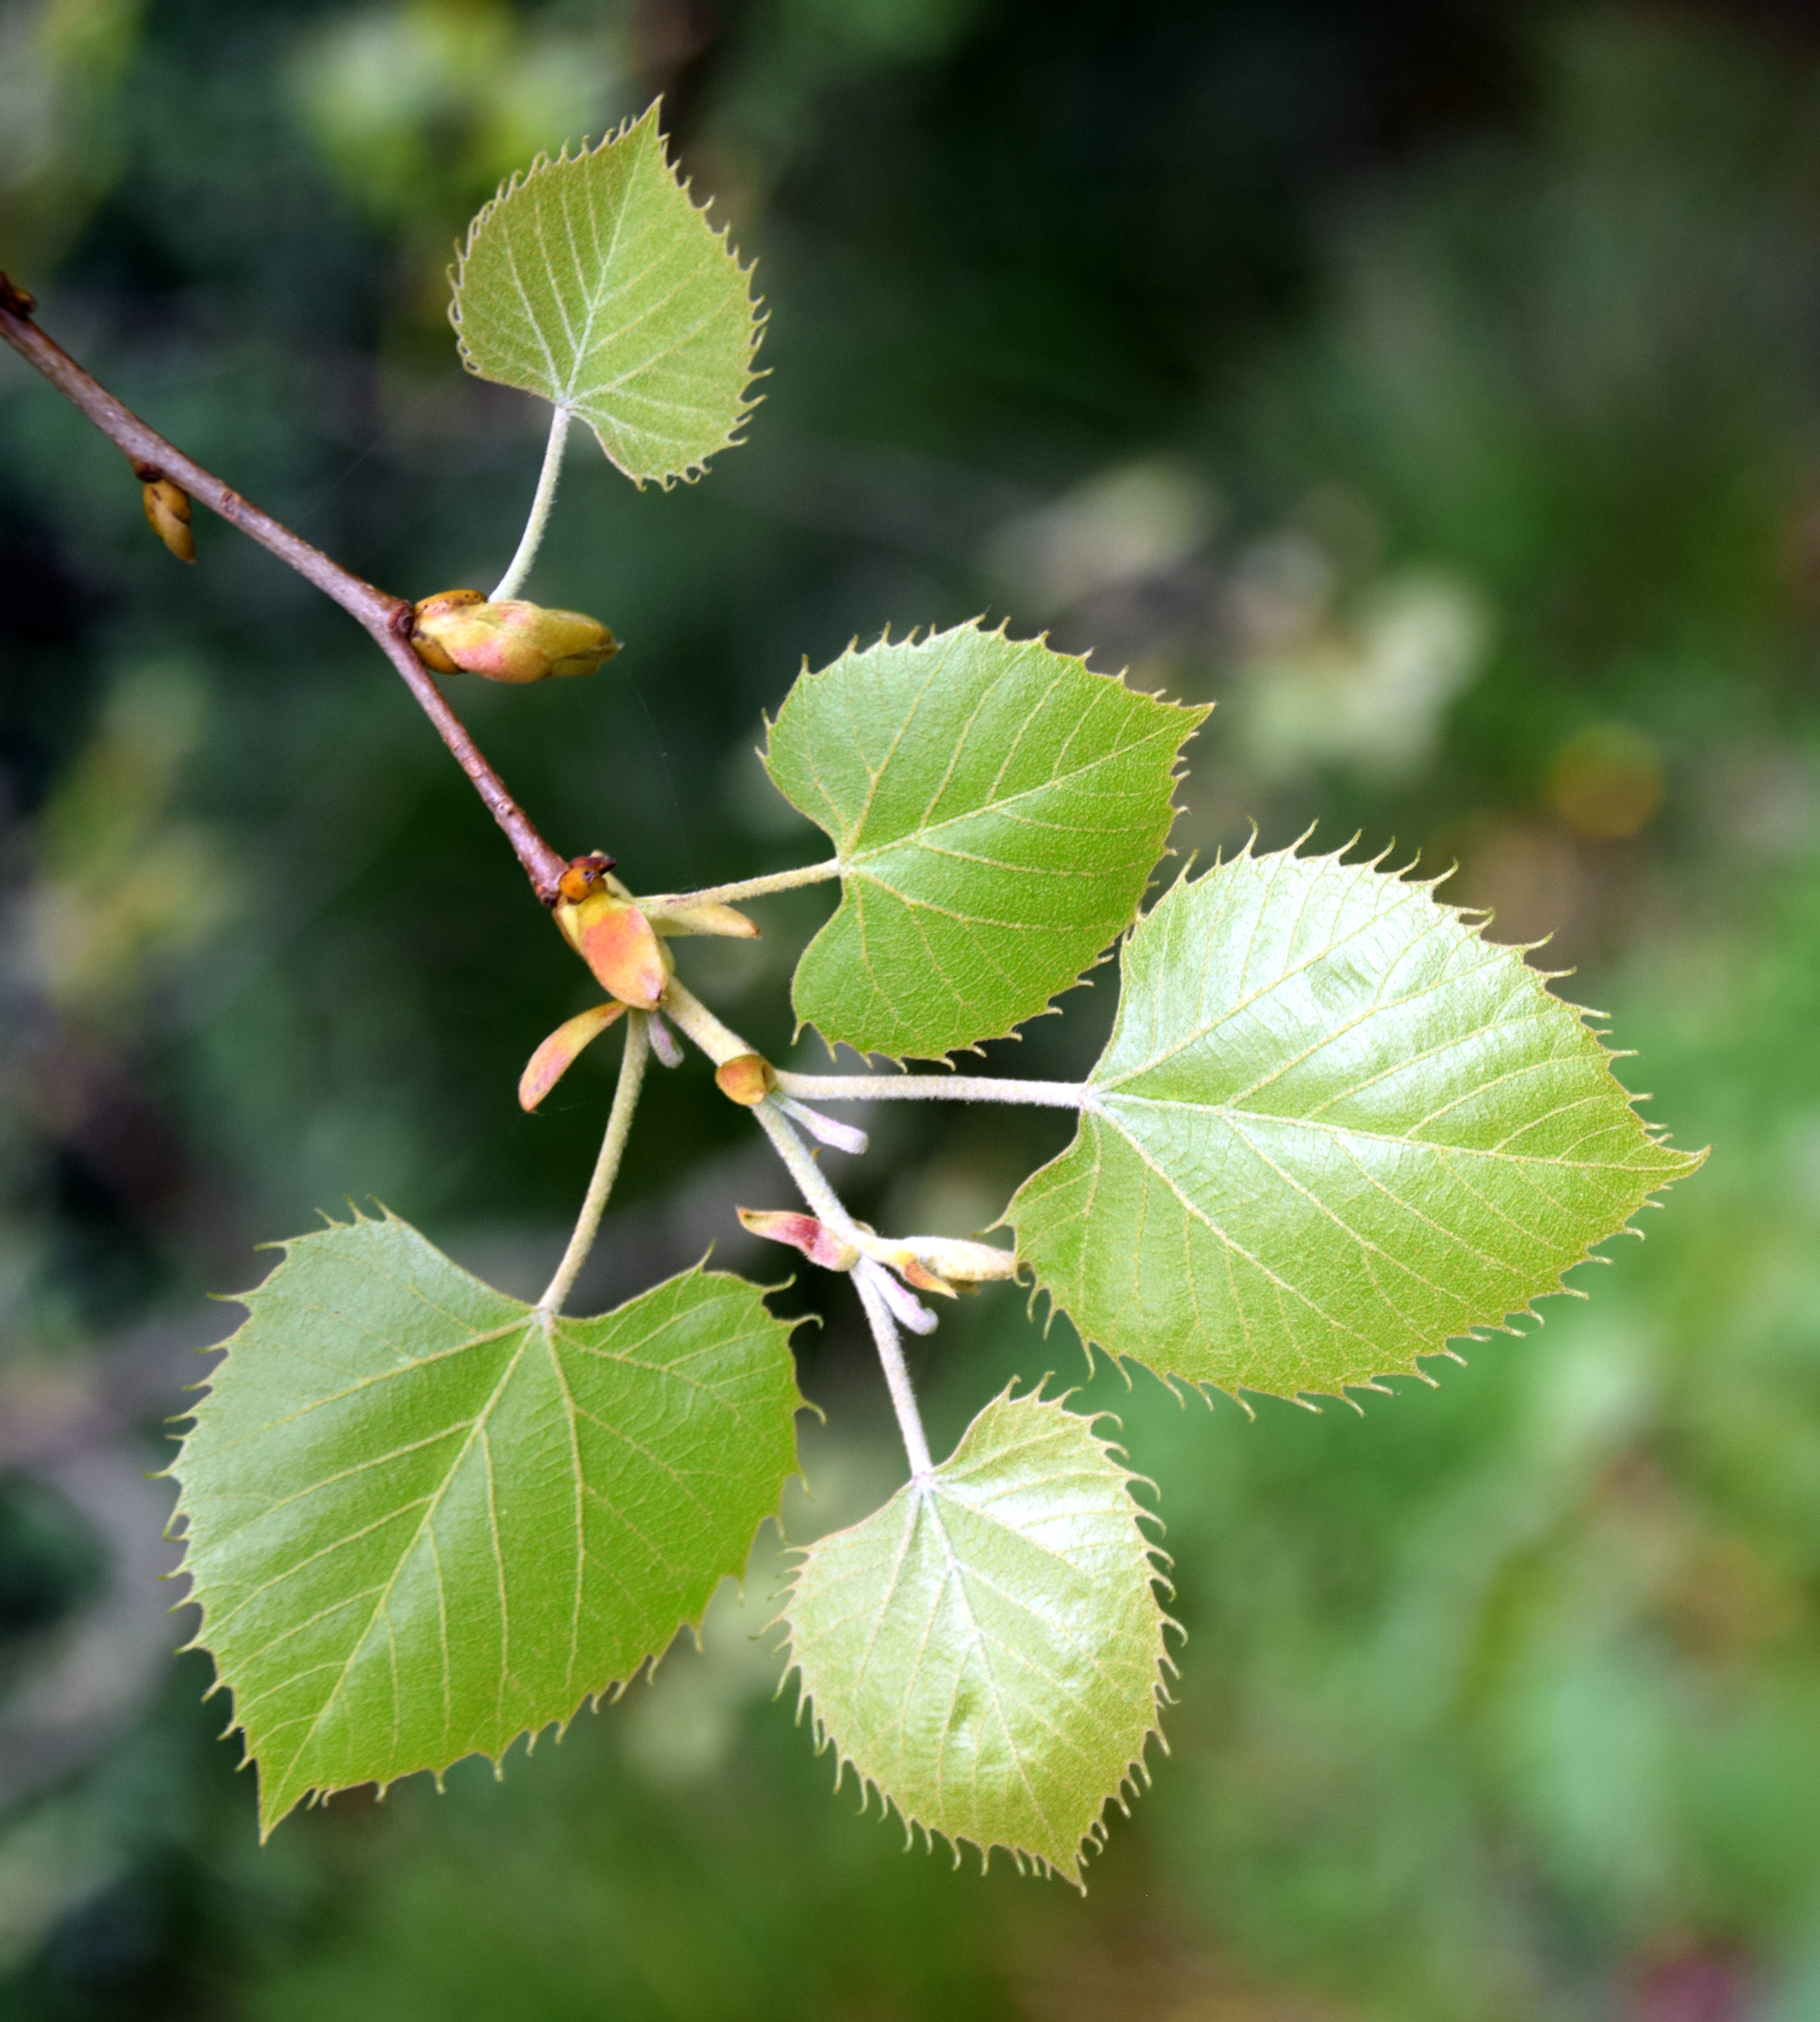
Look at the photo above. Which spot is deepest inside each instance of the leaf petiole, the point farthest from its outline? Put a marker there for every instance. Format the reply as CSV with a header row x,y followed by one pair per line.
x,y
866,1276
747,888
509,584
932,1088
605,1167
691,1016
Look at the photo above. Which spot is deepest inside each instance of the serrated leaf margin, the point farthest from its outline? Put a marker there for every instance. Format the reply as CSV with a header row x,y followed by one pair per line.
x,y
1136,1771
611,1692
1475,920
1178,773
542,163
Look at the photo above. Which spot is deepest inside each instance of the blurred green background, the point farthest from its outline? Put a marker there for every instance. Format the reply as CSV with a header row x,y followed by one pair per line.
x,y
1437,388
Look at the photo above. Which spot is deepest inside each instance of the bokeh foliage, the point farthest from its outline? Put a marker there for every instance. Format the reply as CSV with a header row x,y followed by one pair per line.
x,y
1441,400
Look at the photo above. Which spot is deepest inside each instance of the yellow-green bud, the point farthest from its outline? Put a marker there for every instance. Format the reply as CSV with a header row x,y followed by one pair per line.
x,y
458,631
167,507
746,1079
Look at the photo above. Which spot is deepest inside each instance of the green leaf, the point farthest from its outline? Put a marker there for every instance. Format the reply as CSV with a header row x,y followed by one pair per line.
x,y
592,281
1333,1128
997,809
986,1651
422,1521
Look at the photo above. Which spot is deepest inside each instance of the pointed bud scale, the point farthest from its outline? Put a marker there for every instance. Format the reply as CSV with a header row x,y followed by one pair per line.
x,y
746,1079
167,507
910,1313
459,631
841,1137
816,1241
726,921
664,1042
615,940
557,1054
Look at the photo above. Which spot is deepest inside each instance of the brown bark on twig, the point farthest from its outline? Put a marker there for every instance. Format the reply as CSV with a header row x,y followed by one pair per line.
x,y
385,618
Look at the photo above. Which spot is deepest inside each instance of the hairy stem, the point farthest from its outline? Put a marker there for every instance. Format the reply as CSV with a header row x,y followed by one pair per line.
x,y
749,888
827,1205
385,618
811,1183
932,1088
531,540
688,1012
903,1397
605,1167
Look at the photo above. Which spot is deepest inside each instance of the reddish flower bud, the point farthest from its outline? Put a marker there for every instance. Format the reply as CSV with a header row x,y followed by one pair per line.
x,y
746,1079
457,631
557,1054
167,507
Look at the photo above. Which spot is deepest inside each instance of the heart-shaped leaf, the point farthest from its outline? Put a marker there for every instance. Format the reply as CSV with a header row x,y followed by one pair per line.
x,y
593,281
423,1518
1333,1129
986,1651
997,809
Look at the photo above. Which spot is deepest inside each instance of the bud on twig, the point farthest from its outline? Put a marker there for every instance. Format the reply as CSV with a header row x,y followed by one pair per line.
x,y
554,1058
457,631
816,1239
746,1079
611,935
167,507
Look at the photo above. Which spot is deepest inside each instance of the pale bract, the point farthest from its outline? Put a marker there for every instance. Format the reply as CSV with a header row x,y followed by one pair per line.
x,y
996,808
594,281
1333,1129
986,1651
422,1519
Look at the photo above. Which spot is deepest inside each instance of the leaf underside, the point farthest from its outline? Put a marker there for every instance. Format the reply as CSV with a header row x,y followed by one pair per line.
x,y
1332,1129
594,281
986,1650
997,808
421,1523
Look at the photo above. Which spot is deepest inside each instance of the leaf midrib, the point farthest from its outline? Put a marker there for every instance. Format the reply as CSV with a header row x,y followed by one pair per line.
x,y
916,837
1438,1146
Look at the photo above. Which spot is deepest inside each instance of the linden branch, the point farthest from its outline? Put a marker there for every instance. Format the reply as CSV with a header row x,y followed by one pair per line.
x,y
386,619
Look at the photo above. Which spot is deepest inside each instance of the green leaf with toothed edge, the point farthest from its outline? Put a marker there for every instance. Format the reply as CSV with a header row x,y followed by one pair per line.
x,y
997,809
420,1521
594,281
1333,1129
986,1651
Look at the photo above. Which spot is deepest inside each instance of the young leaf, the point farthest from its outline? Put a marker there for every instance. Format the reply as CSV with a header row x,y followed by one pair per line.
x,y
996,809
986,1651
1333,1128
593,281
423,1520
